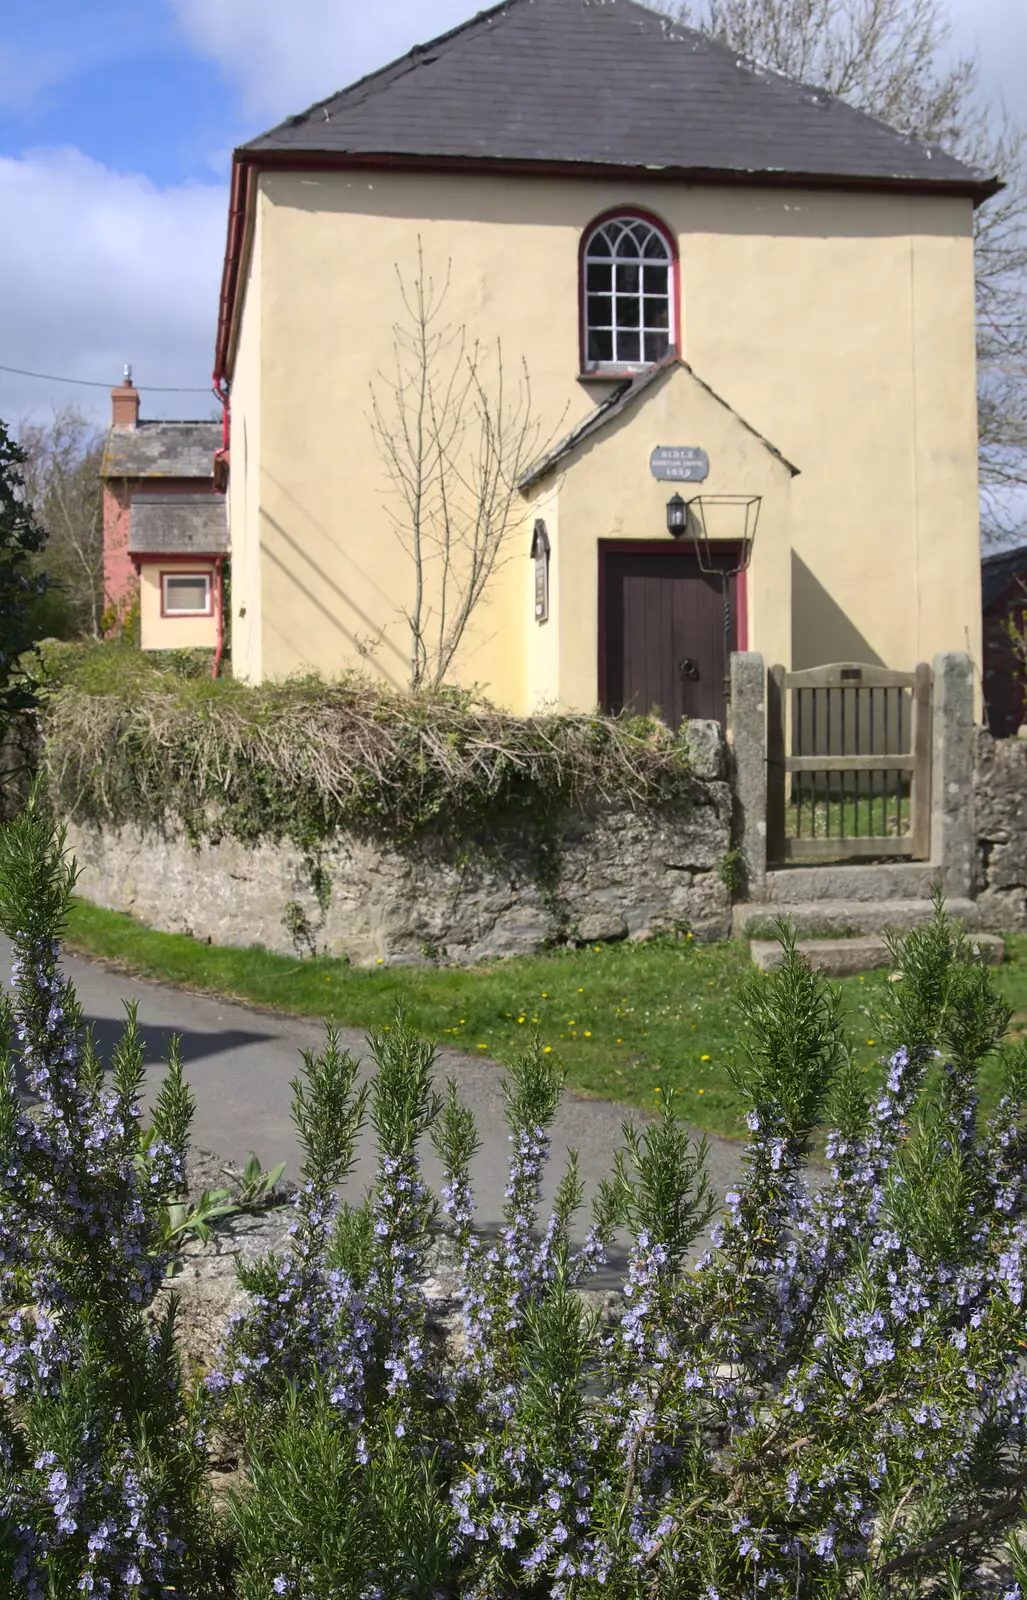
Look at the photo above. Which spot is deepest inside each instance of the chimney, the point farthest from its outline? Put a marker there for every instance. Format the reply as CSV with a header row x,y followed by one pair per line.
x,y
125,403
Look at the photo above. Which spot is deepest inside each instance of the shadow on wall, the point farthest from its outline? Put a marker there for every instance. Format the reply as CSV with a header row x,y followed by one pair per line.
x,y
821,631
327,596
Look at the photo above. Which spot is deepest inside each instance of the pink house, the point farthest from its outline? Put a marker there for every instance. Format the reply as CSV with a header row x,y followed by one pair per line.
x,y
165,530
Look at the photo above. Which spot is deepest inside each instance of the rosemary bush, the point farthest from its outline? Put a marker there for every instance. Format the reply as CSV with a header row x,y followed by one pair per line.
x,y
829,1402
102,1463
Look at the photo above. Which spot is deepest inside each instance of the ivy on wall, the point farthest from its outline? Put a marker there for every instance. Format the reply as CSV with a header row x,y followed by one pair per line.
x,y
154,742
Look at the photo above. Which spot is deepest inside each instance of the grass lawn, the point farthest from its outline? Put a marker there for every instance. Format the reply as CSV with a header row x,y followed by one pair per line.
x,y
627,1020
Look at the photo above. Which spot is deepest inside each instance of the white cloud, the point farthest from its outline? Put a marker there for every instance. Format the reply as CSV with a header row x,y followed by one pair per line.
x,y
99,268
284,57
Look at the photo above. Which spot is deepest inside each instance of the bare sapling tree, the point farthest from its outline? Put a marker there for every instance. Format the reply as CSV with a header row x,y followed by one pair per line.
x,y
455,436
63,481
894,59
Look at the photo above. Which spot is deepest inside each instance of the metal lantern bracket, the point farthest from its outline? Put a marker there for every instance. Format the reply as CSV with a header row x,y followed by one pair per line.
x,y
741,514
741,509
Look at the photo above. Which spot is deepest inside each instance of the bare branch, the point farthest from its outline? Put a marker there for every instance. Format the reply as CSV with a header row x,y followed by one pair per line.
x,y
63,476
454,443
893,58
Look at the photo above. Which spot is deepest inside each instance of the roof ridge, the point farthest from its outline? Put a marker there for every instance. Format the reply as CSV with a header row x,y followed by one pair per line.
x,y
419,55
1008,554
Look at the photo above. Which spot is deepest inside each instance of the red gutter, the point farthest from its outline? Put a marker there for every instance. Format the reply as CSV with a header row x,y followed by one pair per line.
x,y
238,206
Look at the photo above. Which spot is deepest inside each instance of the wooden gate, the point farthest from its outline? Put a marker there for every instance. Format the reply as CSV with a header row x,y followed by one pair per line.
x,y
848,763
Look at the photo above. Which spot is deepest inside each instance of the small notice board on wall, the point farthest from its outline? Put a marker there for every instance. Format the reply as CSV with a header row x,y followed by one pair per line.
x,y
679,463
540,556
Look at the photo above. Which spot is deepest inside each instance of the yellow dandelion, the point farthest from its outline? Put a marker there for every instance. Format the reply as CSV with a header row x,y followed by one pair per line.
x,y
704,1058
691,936
570,1022
548,1050
378,962
870,1041
588,1034
483,1047
620,1041
520,1019
461,1022
702,1091
581,991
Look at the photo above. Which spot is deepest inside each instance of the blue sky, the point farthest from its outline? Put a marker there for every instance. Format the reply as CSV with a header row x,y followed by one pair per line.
x,y
117,119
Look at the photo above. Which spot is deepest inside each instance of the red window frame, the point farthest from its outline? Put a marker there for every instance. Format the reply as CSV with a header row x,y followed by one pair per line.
x,y
636,213
187,572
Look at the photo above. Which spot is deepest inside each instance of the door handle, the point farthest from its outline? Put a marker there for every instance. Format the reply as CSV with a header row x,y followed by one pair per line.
x,y
687,668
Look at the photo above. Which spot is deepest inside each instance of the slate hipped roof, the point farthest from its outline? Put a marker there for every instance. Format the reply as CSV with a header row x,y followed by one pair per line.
x,y
163,450
608,84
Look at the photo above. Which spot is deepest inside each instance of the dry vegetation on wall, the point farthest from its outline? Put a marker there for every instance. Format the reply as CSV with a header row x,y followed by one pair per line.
x,y
128,740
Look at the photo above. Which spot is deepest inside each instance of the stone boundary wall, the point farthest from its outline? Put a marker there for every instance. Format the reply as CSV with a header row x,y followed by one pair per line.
x,y
1000,820
617,874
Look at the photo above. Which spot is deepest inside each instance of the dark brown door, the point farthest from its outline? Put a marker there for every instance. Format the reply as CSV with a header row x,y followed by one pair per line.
x,y
662,641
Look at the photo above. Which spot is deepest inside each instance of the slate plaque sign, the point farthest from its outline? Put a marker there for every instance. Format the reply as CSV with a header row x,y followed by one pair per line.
x,y
679,463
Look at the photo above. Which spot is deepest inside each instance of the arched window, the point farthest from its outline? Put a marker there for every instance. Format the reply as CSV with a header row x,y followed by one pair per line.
x,y
628,293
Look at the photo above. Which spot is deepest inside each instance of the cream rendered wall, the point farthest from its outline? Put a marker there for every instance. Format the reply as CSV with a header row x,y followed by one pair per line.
x,y
840,326
172,633
606,492
856,356
244,488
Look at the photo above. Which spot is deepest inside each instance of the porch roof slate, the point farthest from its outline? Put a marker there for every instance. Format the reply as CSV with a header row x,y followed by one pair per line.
x,y
178,524
610,83
619,400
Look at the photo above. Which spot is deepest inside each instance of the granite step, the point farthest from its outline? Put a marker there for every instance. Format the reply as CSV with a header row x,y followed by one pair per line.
x,y
841,918
891,880
841,958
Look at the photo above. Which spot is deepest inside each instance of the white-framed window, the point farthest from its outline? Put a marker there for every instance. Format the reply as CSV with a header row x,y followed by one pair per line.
x,y
187,594
628,294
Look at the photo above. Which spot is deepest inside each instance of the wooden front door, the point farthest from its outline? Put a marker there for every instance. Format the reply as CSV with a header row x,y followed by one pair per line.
x,y
661,637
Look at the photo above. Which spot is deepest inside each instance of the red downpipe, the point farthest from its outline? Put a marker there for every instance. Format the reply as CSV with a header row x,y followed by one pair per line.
x,y
220,605
224,399
223,396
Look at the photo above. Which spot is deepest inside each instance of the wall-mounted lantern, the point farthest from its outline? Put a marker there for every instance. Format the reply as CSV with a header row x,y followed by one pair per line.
x,y
677,516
